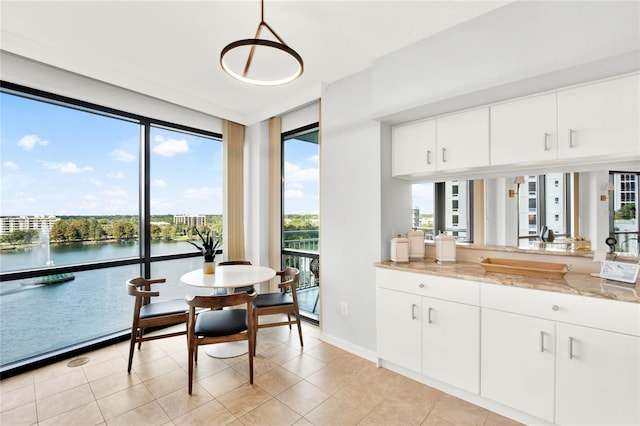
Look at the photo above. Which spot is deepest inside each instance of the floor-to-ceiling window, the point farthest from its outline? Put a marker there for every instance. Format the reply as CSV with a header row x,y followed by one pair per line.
x,y
300,208
90,197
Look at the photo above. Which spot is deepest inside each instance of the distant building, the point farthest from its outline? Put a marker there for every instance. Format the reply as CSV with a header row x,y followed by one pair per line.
x,y
190,219
23,223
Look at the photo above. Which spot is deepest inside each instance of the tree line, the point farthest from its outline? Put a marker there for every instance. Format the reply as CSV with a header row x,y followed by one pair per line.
x,y
124,228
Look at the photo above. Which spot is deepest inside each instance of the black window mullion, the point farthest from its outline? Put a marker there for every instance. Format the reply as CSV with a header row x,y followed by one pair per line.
x,y
144,233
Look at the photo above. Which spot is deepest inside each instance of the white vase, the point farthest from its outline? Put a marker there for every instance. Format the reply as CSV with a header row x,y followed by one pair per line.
x,y
208,267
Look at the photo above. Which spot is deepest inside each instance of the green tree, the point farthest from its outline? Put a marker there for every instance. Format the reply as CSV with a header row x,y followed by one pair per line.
x,y
627,211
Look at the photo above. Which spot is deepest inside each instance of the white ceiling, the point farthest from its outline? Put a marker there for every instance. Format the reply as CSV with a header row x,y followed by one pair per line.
x,y
170,49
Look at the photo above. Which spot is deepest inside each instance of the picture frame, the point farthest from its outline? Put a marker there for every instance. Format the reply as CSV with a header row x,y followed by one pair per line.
x,y
618,271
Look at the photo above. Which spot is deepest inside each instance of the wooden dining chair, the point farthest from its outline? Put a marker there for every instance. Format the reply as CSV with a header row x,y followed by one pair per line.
x,y
217,325
147,314
248,289
283,302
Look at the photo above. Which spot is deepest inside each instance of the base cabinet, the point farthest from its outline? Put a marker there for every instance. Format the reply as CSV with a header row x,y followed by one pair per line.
x,y
399,328
518,361
598,377
451,343
438,337
567,359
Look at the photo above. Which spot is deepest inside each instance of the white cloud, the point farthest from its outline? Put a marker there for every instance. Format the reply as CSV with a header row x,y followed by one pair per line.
x,y
68,167
29,141
315,159
116,175
293,193
170,147
115,192
294,173
10,165
96,182
204,193
121,155
158,183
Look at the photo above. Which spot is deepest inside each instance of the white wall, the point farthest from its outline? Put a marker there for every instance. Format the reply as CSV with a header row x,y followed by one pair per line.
x,y
349,211
256,196
360,206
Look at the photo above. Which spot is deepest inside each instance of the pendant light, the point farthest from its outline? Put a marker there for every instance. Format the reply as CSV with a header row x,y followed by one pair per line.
x,y
278,64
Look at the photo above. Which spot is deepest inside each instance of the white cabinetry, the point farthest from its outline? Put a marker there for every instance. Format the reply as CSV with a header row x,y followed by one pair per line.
x,y
600,119
454,142
399,328
597,377
437,336
451,343
542,350
524,131
518,362
414,148
463,140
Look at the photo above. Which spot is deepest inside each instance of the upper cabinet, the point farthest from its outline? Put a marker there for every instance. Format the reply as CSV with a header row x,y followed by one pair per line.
x,y
597,122
454,142
524,130
414,148
463,140
600,119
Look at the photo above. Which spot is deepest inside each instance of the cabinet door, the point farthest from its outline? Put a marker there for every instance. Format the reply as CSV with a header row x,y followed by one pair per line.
x,y
414,148
399,328
451,343
600,119
524,131
518,360
463,140
598,377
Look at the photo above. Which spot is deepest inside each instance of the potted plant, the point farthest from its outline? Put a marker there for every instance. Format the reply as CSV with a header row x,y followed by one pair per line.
x,y
208,250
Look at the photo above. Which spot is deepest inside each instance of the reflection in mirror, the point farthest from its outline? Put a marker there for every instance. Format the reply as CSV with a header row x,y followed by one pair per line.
x,y
544,212
444,207
624,225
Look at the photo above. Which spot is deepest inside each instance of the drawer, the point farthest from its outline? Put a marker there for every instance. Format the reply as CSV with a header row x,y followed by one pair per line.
x,y
613,315
452,289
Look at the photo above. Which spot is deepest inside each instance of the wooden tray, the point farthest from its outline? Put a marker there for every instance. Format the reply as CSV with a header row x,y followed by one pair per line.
x,y
525,267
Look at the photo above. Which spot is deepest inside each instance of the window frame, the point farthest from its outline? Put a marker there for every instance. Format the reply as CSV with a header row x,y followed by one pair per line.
x,y
143,260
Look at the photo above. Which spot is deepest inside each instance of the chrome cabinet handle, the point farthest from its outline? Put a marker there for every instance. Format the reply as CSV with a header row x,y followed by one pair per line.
x,y
555,307
542,341
444,159
546,141
428,157
571,132
429,316
571,347
421,285
413,311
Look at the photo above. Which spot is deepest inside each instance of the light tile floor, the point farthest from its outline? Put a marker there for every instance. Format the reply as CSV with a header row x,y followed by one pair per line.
x,y
318,385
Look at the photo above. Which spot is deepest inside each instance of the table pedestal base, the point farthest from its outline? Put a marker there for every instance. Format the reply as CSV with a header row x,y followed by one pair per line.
x,y
227,350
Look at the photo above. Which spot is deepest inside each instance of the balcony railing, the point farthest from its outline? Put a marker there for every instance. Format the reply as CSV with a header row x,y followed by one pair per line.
x,y
299,253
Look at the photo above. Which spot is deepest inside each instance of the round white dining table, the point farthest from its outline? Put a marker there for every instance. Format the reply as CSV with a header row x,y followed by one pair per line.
x,y
228,277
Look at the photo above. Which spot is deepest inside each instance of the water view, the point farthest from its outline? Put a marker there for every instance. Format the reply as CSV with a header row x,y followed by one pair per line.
x,y
37,318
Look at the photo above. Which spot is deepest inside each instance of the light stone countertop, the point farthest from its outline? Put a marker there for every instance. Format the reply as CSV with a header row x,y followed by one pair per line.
x,y
573,282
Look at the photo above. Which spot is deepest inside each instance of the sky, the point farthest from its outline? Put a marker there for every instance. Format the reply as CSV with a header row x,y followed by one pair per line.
x,y
62,161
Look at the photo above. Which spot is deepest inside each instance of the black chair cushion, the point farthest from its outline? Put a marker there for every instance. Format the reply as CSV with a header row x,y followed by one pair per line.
x,y
272,299
221,323
169,307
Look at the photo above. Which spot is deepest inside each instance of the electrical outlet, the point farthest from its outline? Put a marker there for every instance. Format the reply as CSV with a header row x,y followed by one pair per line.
x,y
344,309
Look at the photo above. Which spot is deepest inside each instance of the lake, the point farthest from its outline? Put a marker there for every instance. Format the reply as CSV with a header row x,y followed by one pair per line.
x,y
36,319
